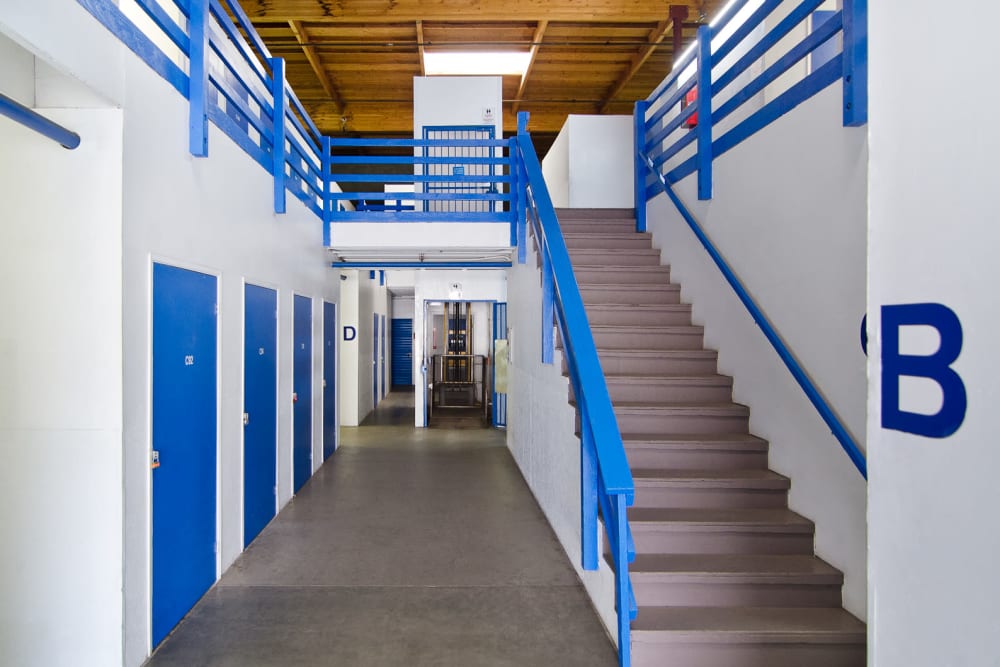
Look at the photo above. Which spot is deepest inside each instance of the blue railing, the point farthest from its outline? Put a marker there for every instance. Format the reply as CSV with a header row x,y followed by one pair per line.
x,y
33,120
666,128
606,479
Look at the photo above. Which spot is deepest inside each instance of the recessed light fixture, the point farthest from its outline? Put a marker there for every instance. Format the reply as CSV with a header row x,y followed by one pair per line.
x,y
476,62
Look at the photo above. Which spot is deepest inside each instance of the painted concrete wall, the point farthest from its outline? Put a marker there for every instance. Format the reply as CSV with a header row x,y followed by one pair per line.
x,y
350,369
793,228
439,285
932,239
590,165
61,516
457,100
541,428
209,214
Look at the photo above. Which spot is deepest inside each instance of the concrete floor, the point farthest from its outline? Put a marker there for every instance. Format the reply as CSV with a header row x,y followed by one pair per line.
x,y
408,547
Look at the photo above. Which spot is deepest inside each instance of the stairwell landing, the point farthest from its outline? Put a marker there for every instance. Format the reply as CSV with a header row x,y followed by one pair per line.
x,y
725,573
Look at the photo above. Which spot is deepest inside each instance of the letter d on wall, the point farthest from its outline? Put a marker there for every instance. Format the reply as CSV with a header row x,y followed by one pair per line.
x,y
936,367
350,333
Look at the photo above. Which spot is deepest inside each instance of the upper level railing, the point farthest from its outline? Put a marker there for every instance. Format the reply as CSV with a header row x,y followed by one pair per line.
x,y
693,117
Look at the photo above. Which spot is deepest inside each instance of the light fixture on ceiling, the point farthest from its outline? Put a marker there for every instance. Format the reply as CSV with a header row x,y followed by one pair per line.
x,y
476,63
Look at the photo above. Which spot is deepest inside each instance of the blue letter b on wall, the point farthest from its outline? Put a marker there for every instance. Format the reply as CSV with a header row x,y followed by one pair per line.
x,y
936,367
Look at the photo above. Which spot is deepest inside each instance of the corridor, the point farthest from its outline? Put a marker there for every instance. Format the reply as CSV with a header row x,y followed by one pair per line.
x,y
408,547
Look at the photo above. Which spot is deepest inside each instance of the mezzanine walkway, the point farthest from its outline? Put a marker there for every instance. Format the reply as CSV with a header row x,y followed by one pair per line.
x,y
408,547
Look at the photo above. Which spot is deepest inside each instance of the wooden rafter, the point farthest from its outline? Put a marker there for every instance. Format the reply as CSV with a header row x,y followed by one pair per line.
x,y
314,60
653,40
536,41
420,47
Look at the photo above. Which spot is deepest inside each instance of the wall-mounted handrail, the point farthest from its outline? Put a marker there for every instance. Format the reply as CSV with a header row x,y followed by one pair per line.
x,y
846,440
37,122
606,478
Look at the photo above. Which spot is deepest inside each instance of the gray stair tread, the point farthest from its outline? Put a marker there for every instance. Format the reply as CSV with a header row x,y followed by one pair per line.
x,y
613,252
662,328
744,624
596,213
685,408
609,267
659,354
659,287
744,567
741,477
704,379
706,441
627,307
609,234
745,519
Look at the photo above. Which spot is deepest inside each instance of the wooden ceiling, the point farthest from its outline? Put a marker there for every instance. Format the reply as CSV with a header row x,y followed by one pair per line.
x,y
352,62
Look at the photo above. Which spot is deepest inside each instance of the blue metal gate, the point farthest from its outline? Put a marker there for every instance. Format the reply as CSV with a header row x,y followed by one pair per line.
x,y
184,442
459,168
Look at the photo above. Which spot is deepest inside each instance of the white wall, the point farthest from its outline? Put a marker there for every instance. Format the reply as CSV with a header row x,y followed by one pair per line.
x,y
789,215
60,399
457,100
211,214
350,369
541,428
591,163
932,239
437,285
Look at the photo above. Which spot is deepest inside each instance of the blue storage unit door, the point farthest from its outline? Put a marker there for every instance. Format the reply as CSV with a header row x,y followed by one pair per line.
x,y
329,379
499,333
402,352
375,363
184,442
260,409
302,392
385,389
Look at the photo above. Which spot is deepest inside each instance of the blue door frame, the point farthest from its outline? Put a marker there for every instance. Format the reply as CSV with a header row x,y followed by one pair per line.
x,y
382,363
302,392
329,379
184,441
260,414
375,363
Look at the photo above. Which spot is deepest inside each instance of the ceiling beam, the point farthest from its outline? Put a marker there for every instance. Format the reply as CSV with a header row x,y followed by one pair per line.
x,y
653,40
420,47
408,11
536,41
314,60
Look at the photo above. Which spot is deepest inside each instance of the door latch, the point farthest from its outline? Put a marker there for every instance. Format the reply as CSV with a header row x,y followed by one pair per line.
x,y
154,459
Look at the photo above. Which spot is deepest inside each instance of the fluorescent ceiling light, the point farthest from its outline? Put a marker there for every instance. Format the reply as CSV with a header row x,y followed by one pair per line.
x,y
476,62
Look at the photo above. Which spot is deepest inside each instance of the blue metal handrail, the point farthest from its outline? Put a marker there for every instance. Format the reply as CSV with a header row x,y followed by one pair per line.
x,y
606,479
37,122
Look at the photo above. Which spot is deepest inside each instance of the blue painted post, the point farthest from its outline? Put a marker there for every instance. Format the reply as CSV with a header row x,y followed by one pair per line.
x,y
515,192
548,307
328,203
588,489
855,63
704,112
522,195
198,78
622,584
278,121
639,133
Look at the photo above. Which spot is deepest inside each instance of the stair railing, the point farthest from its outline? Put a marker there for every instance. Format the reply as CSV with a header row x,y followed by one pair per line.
x,y
35,121
687,108
606,479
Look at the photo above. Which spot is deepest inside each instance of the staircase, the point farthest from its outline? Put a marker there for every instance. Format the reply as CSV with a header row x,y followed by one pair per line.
x,y
725,574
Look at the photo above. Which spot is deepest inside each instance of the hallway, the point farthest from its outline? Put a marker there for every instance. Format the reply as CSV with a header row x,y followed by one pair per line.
x,y
408,547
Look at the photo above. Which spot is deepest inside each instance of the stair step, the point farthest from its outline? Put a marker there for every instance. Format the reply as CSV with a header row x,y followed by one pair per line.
x,y
646,338
596,225
752,636
657,362
696,452
607,273
615,256
638,240
595,214
659,314
625,294
669,389
679,418
736,489
662,580
720,531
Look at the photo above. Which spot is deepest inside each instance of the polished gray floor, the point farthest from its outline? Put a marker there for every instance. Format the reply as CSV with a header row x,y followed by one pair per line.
x,y
408,547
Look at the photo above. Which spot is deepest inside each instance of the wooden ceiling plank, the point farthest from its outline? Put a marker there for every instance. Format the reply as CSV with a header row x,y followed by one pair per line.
x,y
317,64
536,41
420,47
656,36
